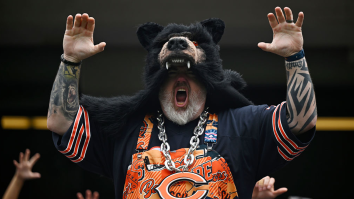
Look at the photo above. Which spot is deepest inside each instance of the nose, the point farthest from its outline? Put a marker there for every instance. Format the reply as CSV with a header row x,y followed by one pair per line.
x,y
181,79
177,44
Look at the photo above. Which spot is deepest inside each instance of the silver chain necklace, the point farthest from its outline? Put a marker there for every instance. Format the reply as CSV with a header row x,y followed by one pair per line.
x,y
165,147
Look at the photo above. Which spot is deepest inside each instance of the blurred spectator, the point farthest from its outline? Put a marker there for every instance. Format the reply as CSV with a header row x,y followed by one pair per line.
x,y
89,195
23,173
264,189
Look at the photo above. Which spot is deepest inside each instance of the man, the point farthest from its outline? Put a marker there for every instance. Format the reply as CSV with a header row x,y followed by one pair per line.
x,y
152,138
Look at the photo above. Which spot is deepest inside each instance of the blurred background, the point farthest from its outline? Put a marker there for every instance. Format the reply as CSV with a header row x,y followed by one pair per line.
x,y
31,45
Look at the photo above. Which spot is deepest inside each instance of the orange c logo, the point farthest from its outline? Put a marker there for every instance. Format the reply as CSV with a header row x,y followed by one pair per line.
x,y
163,188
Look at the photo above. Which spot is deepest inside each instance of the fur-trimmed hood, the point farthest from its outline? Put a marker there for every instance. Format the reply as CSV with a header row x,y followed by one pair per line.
x,y
222,85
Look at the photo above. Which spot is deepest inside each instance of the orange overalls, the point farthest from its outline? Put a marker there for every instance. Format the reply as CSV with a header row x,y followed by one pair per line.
x,y
208,177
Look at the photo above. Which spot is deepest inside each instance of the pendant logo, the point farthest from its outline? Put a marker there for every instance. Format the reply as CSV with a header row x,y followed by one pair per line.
x,y
163,188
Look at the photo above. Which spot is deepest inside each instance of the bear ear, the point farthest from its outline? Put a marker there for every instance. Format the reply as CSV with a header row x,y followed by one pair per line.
x,y
215,27
147,33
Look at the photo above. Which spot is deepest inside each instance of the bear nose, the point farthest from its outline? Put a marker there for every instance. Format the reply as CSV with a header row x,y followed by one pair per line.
x,y
177,44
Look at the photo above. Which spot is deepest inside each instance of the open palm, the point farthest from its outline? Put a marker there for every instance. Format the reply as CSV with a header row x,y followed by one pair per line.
x,y
24,166
287,36
78,39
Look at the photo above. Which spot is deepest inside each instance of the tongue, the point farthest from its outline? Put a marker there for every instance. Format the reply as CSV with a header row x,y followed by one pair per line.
x,y
181,96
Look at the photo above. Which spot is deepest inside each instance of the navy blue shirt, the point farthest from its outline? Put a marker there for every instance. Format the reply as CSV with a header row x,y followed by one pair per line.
x,y
254,140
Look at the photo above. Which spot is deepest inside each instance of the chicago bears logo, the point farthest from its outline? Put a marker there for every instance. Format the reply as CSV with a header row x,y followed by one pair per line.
x,y
163,188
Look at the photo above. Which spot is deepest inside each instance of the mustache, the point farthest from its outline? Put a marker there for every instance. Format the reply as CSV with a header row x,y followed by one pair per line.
x,y
178,84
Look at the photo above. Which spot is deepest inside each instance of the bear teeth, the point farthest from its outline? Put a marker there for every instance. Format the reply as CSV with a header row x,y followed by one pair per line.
x,y
178,61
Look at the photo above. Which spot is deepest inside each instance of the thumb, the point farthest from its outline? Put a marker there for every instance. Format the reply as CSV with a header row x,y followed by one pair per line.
x,y
264,46
280,191
36,175
99,47
16,163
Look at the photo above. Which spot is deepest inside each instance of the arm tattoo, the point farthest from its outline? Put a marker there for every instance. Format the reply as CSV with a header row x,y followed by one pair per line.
x,y
301,102
64,99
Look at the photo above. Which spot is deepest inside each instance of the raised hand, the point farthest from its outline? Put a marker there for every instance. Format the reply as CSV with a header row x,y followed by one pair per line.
x,y
24,166
78,39
89,195
264,189
287,35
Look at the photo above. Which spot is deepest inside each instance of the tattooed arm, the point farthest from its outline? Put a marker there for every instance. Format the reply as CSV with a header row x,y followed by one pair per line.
x,y
77,45
301,102
287,41
64,99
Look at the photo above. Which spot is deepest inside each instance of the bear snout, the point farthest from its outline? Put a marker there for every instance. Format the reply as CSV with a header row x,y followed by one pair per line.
x,y
177,44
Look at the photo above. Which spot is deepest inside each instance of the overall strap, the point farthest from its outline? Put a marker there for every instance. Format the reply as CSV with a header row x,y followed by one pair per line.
x,y
211,131
145,134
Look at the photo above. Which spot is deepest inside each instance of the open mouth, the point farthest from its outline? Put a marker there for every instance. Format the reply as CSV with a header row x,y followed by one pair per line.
x,y
181,89
181,96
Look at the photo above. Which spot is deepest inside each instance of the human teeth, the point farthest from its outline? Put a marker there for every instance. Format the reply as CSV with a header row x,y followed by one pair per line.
x,y
167,65
181,89
189,65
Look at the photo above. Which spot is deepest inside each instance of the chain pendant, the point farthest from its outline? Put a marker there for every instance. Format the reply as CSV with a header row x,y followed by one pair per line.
x,y
194,142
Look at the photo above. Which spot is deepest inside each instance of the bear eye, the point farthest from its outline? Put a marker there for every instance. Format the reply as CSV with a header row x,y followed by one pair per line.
x,y
195,43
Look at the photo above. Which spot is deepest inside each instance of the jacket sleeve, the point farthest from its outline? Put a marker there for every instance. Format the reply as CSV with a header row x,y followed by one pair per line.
x,y
277,144
86,145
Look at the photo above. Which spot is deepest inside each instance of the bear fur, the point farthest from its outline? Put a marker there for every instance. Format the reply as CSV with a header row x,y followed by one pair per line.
x,y
222,85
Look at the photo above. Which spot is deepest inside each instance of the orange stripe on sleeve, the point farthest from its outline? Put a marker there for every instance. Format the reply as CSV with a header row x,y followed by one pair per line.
x,y
280,126
277,136
73,132
77,142
87,139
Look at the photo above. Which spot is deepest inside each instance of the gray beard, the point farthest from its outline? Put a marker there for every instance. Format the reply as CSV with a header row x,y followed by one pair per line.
x,y
181,116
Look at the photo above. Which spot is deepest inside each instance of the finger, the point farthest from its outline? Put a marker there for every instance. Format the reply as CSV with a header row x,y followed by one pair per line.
x,y
264,46
27,155
69,22
16,163
21,157
266,182
79,196
34,159
91,24
36,175
99,47
280,191
260,184
77,22
300,19
84,19
96,195
288,13
88,194
272,20
271,183
280,15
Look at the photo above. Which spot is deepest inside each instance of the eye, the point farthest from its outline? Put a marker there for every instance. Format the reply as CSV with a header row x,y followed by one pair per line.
x,y
195,43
